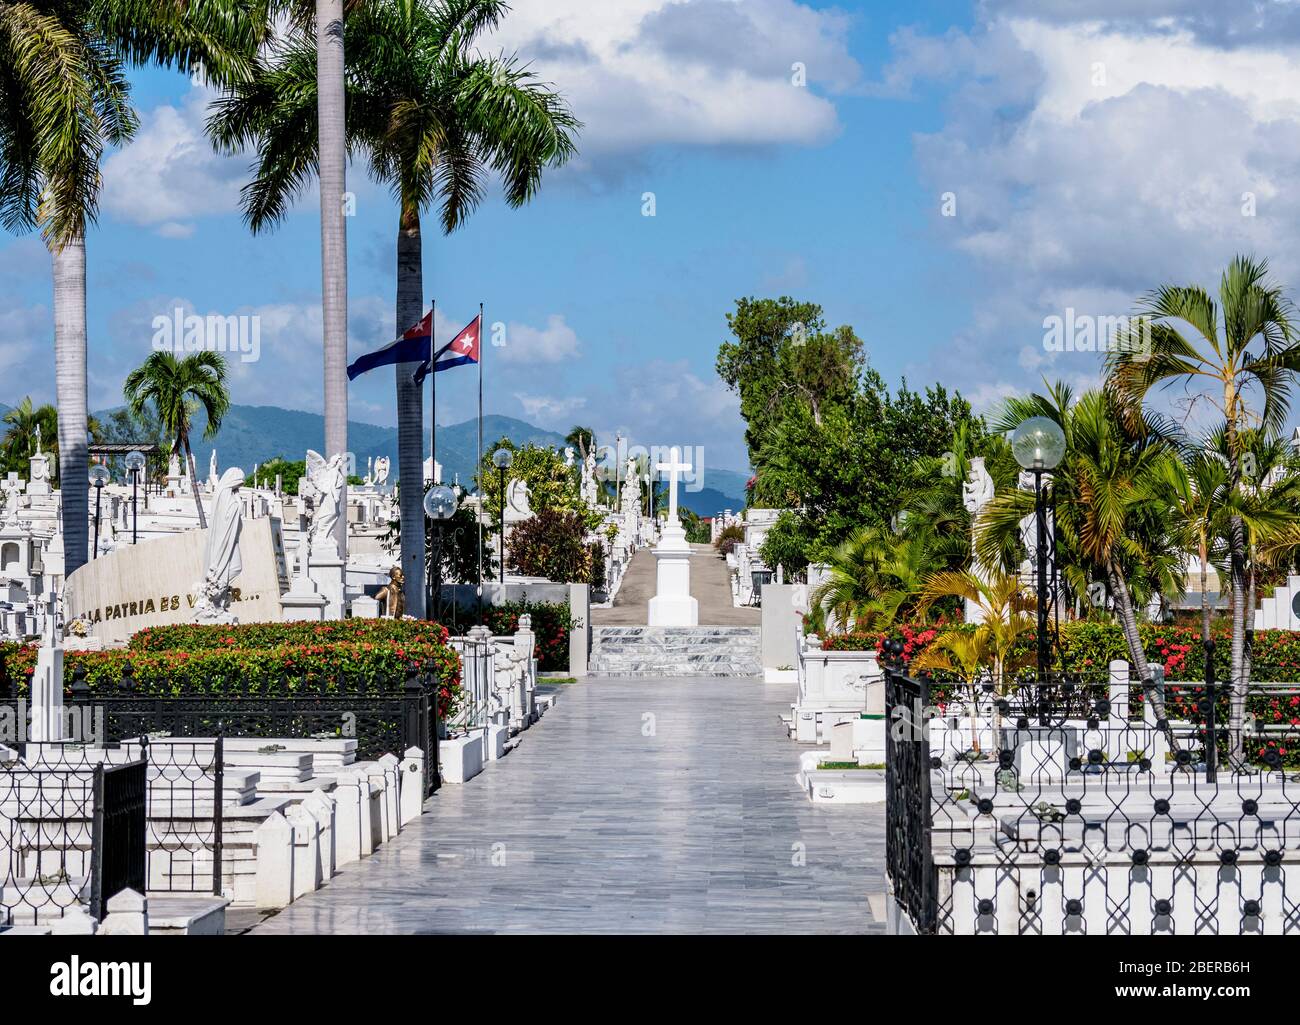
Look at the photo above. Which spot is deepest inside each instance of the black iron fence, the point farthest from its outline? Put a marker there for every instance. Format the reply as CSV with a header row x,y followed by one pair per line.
x,y
118,858
79,823
1089,805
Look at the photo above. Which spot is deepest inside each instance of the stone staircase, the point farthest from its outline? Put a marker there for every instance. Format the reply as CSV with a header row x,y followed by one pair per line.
x,y
648,651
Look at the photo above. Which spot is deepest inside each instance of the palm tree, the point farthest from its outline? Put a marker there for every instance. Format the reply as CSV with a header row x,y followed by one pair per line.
x,y
877,575
19,443
581,438
989,651
63,99
176,388
433,117
1110,513
1196,485
1241,348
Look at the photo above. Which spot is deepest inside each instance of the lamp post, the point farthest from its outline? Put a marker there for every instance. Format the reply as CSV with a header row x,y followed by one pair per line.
x,y
501,459
1039,445
134,463
99,477
439,505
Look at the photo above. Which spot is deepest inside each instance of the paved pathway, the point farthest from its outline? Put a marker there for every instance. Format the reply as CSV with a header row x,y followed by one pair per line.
x,y
590,826
710,584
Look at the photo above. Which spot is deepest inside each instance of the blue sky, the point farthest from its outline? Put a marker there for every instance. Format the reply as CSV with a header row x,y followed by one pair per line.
x,y
1073,189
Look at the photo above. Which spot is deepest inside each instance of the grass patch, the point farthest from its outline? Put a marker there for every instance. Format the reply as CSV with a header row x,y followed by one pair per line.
x,y
846,765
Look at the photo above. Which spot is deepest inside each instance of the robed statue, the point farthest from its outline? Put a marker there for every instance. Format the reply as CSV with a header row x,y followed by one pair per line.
x,y
221,562
326,480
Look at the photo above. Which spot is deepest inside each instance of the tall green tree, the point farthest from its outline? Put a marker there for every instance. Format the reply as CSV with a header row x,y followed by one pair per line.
x,y
176,388
1240,357
63,100
434,117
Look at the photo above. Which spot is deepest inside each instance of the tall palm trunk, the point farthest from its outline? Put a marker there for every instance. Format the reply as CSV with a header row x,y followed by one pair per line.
x,y
1128,623
69,270
333,235
184,445
1237,696
1205,598
410,413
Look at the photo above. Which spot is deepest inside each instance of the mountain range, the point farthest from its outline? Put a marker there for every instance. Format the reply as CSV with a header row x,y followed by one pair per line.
x,y
255,434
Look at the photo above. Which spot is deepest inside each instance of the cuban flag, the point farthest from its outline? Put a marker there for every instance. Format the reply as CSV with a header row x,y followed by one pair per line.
x,y
462,349
413,347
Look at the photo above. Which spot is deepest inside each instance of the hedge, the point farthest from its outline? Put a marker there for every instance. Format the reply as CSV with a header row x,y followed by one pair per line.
x,y
260,668
195,637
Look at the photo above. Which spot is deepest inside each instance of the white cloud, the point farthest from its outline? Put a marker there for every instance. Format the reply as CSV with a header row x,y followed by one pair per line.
x,y
548,408
551,344
643,73
1093,160
169,175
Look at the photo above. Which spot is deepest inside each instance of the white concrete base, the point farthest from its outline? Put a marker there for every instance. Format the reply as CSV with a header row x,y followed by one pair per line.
x,y
780,675
850,786
813,724
461,758
672,604
494,742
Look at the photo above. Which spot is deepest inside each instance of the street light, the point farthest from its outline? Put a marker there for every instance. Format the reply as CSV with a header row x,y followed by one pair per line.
x,y
501,459
439,505
134,463
1039,445
99,476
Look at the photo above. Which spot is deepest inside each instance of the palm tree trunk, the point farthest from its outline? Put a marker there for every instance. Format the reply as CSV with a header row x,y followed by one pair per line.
x,y
194,482
1205,598
1138,656
1237,697
410,414
69,272
333,236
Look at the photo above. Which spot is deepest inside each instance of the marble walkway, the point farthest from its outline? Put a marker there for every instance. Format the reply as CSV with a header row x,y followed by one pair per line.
x,y
710,585
661,808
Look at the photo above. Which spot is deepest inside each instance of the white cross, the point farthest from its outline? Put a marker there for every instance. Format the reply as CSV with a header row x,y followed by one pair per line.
x,y
673,467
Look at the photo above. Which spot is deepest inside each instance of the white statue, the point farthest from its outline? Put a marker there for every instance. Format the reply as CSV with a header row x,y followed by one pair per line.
x,y
517,503
977,489
221,561
568,456
382,465
589,490
326,481
370,471
213,479
1029,527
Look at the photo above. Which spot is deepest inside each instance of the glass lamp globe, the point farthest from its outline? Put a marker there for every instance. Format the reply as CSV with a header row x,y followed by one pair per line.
x,y
135,460
439,502
99,475
1038,443
502,458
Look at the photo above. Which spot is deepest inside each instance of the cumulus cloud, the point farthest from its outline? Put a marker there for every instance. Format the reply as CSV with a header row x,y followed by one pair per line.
x,y
1093,159
645,73
168,176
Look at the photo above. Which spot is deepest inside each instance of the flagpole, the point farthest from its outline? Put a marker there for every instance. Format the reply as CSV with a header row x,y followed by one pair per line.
x,y
433,396
482,352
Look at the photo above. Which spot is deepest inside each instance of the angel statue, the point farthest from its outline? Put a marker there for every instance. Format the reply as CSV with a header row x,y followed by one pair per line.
x,y
221,562
325,480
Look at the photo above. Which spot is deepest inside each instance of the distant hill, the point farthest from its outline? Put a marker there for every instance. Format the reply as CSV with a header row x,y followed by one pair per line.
x,y
254,434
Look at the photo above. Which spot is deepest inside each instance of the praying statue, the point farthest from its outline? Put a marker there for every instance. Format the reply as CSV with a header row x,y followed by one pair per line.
x,y
221,561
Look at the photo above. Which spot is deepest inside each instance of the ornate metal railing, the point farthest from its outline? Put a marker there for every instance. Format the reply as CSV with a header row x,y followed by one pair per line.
x,y
1098,805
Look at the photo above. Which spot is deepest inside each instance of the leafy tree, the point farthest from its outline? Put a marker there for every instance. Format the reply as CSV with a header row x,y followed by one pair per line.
x,y
552,545
175,388
583,439
551,483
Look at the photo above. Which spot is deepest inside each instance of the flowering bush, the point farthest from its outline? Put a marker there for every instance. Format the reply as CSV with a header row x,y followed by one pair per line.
x,y
252,660
552,622
192,637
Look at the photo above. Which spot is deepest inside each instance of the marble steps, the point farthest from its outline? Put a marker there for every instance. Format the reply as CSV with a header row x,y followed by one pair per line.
x,y
638,651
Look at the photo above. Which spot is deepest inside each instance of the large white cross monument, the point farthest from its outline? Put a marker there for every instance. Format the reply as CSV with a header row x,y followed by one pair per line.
x,y
672,604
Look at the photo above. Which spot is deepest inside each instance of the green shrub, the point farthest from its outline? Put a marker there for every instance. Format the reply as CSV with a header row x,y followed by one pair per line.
x,y
552,622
